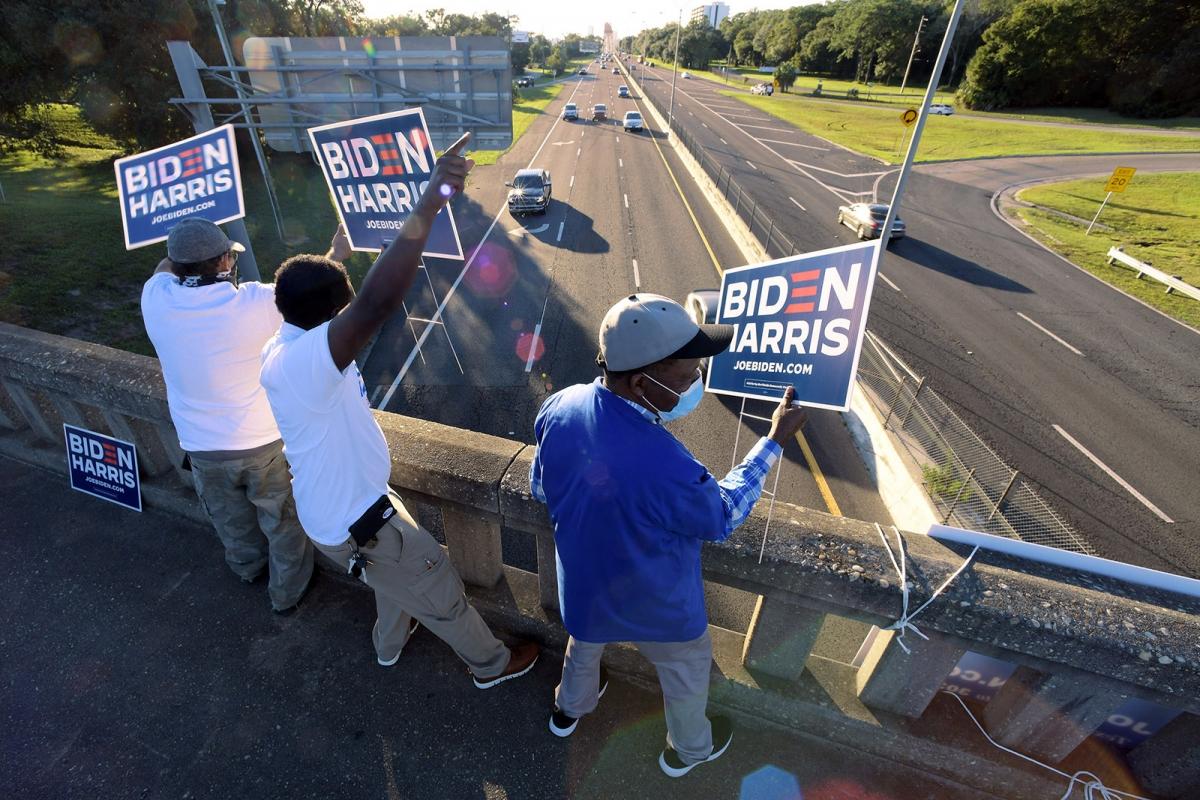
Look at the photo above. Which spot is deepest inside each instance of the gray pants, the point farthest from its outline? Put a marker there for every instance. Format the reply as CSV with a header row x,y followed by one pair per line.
x,y
683,673
413,577
249,501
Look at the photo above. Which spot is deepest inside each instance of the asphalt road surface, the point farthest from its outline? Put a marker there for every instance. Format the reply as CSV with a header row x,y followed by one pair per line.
x,y
519,319
1089,393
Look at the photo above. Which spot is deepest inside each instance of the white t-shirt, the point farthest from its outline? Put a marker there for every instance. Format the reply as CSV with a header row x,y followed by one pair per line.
x,y
337,453
209,340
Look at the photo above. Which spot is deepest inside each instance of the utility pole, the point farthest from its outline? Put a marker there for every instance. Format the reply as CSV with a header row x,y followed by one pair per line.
x,y
674,71
906,168
912,55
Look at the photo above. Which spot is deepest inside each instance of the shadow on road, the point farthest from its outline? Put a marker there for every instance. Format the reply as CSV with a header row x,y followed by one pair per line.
x,y
933,257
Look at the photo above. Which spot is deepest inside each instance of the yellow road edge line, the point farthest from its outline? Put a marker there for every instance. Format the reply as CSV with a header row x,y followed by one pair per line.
x,y
809,458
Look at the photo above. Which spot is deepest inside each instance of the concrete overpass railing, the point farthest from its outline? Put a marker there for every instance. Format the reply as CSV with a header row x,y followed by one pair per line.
x,y
1082,644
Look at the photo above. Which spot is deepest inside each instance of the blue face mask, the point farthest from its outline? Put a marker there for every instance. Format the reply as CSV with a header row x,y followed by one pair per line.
x,y
688,401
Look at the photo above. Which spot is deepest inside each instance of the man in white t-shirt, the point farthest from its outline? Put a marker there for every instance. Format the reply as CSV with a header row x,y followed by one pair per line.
x,y
339,457
209,331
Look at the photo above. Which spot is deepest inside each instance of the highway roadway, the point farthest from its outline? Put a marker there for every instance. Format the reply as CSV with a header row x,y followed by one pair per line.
x,y
519,319
1089,393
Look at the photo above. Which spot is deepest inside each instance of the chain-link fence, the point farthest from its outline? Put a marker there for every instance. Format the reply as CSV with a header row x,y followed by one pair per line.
x,y
761,225
971,487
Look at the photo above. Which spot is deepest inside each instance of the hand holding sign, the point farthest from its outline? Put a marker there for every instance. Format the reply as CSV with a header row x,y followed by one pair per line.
x,y
788,419
339,246
449,175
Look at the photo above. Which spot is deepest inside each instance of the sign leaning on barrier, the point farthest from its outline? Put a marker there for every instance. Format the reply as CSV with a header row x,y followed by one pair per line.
x,y
799,322
376,168
103,467
195,177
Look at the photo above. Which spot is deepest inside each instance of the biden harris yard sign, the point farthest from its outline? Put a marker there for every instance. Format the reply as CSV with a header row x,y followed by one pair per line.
x,y
103,467
376,168
799,322
196,177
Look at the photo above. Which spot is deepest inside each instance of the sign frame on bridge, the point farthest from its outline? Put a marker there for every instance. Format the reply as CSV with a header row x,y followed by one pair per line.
x,y
103,467
769,324
198,176
343,149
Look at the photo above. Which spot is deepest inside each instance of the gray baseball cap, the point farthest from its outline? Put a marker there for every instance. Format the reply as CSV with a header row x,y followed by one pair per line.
x,y
644,328
195,239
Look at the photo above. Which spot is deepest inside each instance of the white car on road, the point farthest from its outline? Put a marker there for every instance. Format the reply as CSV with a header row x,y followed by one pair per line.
x,y
943,109
632,121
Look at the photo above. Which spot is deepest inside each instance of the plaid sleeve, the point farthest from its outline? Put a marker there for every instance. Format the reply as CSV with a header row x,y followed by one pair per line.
x,y
742,487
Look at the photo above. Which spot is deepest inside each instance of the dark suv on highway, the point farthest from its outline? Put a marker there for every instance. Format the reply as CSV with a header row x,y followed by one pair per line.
x,y
529,192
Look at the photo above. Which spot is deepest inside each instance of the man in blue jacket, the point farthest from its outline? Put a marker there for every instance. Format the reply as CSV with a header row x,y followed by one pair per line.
x,y
631,508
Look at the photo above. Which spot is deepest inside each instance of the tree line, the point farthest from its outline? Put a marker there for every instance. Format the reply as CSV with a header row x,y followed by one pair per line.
x,y
1138,58
110,58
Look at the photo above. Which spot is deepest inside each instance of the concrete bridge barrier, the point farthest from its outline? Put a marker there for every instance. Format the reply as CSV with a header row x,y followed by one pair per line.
x,y
1082,644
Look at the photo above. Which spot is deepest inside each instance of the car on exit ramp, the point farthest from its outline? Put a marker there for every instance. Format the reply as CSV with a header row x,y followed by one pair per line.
x,y
529,192
866,220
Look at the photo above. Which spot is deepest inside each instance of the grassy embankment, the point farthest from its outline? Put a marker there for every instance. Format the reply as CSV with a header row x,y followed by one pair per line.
x,y
1157,220
878,132
65,269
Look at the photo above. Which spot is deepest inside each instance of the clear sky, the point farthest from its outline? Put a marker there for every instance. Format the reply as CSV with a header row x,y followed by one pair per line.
x,y
554,19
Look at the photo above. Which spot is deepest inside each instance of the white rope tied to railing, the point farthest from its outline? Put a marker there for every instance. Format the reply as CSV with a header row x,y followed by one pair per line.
x,y
905,624
1093,787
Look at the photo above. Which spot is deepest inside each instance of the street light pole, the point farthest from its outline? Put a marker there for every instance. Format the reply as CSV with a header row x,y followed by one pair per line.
x,y
912,55
906,168
674,71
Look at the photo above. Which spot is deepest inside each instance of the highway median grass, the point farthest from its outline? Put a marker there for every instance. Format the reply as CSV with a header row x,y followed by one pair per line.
x,y
877,131
1157,220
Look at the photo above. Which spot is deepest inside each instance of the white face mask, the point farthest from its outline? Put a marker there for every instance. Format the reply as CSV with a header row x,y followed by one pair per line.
x,y
688,401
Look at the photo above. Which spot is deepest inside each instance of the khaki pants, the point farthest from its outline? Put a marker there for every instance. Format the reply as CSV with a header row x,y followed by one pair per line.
x,y
683,673
412,577
249,501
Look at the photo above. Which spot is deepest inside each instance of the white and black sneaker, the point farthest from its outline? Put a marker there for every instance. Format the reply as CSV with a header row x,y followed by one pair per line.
x,y
563,725
523,657
722,735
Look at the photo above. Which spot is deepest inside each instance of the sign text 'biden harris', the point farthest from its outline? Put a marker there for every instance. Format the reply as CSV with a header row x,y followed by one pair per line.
x,y
376,168
799,322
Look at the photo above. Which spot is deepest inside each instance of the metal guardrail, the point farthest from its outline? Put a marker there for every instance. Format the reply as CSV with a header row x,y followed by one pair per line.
x,y
1143,268
968,483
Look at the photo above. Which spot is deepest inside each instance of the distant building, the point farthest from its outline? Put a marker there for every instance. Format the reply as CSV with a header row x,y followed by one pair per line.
x,y
712,13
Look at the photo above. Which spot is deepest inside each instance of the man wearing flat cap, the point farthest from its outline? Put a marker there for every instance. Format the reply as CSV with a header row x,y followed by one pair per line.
x,y
209,331
631,508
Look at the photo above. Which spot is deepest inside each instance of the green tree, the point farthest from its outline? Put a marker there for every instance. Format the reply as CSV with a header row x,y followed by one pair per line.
x,y
556,62
785,76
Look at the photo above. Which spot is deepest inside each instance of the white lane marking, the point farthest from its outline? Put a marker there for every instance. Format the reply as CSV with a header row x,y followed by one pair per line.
x,y
1074,350
802,208
437,315
572,181
750,163
618,138
875,186
620,163
578,150
1141,497
626,198
705,124
637,278
722,140
797,144
533,343
538,229
763,127
887,280
558,238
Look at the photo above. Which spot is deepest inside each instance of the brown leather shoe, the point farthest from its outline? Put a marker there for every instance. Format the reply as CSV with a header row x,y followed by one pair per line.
x,y
521,660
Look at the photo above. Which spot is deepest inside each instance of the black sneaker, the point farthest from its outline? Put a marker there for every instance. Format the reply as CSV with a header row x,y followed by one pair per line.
x,y
722,735
561,724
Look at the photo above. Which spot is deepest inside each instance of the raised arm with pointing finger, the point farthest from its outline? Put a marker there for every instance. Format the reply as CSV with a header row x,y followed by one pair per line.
x,y
392,275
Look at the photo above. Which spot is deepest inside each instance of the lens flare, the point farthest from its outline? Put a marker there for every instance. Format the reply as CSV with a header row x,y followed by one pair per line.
x,y
493,273
527,343
368,47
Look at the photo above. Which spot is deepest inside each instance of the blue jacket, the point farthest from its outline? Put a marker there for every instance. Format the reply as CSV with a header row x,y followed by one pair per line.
x,y
631,508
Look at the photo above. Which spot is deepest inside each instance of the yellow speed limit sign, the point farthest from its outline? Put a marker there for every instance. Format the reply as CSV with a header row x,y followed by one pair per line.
x,y
1120,179
909,117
